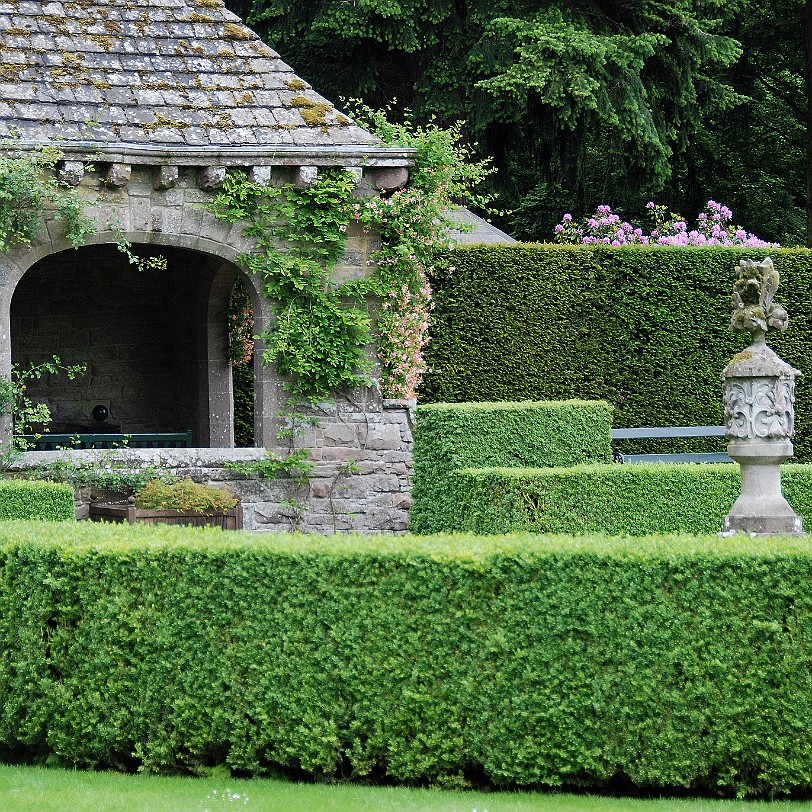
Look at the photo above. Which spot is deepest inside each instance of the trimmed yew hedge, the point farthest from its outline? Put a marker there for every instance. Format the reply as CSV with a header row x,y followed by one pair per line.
x,y
448,437
614,499
28,499
530,660
644,328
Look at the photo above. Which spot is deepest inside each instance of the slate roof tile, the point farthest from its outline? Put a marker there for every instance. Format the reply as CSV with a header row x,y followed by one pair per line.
x,y
152,72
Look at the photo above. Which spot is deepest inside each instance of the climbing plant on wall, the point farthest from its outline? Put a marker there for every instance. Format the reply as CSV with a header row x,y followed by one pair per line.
x,y
414,228
29,189
321,330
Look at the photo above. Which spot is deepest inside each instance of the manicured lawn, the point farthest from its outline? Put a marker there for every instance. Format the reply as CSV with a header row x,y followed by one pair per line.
x,y
47,790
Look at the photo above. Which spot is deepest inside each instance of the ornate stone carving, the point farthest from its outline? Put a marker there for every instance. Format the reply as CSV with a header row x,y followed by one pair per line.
x,y
753,308
261,175
760,408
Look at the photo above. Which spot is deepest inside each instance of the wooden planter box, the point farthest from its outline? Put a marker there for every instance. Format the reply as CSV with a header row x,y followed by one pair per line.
x,y
101,512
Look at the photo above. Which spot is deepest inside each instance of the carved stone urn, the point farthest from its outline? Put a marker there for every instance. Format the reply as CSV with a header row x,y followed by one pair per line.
x,y
759,408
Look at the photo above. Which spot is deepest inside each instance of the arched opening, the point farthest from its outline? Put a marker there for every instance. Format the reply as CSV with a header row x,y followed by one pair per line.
x,y
241,355
155,341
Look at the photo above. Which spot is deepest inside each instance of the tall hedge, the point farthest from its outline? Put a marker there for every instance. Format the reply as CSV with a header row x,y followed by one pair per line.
x,y
675,661
28,499
613,499
644,328
448,437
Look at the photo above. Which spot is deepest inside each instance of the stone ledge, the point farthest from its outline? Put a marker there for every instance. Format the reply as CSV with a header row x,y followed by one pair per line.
x,y
282,155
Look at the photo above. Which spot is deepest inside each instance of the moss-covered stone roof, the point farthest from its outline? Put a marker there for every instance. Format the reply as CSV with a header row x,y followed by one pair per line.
x,y
156,72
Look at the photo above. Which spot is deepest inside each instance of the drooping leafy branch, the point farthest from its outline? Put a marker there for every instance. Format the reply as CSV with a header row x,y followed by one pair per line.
x,y
29,190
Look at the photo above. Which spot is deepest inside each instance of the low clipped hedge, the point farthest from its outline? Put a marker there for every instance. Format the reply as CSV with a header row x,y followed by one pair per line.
x,y
527,660
448,437
615,499
27,499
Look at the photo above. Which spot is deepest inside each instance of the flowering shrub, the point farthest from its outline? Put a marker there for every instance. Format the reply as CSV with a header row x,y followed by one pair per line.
x,y
714,226
414,229
410,235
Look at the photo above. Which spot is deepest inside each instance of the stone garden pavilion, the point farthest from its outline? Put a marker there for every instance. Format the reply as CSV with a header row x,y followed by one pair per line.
x,y
149,103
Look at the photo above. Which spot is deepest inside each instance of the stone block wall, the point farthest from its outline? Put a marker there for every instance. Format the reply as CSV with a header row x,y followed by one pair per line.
x,y
156,348
361,483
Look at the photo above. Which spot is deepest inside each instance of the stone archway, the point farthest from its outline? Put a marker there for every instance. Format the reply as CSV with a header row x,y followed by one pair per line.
x,y
155,341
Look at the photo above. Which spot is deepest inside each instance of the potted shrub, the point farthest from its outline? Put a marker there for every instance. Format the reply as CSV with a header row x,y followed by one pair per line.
x,y
184,502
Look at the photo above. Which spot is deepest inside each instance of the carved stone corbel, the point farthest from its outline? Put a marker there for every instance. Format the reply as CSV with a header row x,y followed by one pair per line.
x,y
305,176
118,175
211,178
166,177
71,172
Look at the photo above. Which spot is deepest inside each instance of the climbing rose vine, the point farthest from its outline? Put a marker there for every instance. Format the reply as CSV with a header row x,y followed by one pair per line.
x,y
412,231
714,226
321,331
414,228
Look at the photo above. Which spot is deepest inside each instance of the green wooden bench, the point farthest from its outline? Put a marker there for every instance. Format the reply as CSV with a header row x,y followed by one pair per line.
x,y
58,442
670,433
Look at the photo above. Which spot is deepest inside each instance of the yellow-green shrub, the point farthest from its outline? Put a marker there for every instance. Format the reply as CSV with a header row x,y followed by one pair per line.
x,y
185,495
26,499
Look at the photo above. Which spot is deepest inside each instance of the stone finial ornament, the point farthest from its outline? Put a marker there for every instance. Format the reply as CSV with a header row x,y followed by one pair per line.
x,y
753,308
759,407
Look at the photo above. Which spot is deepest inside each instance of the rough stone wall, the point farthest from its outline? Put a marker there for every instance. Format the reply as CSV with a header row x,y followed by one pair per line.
x,y
361,481
162,215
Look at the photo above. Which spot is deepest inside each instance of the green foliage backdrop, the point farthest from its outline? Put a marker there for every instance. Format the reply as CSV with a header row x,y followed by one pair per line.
x,y
526,660
579,103
644,328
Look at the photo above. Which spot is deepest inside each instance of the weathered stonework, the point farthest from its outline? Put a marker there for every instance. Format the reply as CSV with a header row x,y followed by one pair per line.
x,y
759,408
361,481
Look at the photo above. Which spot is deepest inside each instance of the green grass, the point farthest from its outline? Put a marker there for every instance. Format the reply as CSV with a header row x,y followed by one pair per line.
x,y
51,790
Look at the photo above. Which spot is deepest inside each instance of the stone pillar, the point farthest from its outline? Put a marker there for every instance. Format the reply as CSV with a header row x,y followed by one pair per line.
x,y
759,409
759,418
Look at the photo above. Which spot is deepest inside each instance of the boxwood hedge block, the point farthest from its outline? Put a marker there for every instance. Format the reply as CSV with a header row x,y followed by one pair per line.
x,y
448,437
617,499
676,661
28,499
644,328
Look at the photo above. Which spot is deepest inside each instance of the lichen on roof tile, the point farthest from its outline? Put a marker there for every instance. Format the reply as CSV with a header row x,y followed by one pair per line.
x,y
136,70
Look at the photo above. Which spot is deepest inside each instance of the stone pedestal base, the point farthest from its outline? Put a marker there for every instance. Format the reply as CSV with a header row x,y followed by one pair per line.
x,y
764,525
761,509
